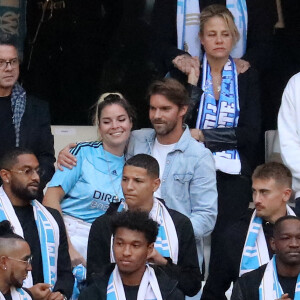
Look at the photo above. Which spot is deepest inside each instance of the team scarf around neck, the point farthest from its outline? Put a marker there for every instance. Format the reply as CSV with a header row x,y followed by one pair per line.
x,y
188,27
239,10
17,294
167,240
255,252
270,287
221,114
148,289
18,104
48,231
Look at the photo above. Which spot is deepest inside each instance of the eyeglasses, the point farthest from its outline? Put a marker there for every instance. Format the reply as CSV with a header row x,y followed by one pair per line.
x,y
28,172
14,62
27,261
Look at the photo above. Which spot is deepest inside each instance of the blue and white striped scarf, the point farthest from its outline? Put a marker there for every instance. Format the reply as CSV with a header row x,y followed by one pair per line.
x,y
17,294
221,114
188,27
166,242
48,231
18,104
239,10
148,289
255,252
270,287
79,273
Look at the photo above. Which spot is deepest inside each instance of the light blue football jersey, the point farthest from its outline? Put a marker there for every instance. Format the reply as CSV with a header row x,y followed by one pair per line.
x,y
88,187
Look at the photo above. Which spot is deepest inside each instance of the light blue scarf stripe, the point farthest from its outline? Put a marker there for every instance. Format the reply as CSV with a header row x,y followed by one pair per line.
x,y
24,295
47,243
110,289
211,114
161,244
240,13
265,294
250,259
181,10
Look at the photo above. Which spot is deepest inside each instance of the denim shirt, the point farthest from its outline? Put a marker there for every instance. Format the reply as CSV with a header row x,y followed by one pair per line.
x,y
188,184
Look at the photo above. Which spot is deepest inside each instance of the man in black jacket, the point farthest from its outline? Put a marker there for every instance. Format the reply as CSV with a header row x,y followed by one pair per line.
x,y
271,185
43,228
134,235
180,262
25,121
285,265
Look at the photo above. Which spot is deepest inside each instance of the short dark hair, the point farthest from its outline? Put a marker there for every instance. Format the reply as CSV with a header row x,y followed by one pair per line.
x,y
8,239
144,161
274,170
9,40
7,231
278,223
172,89
135,220
10,157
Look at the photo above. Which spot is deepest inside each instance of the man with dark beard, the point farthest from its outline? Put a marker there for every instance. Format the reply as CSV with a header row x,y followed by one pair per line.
x,y
42,228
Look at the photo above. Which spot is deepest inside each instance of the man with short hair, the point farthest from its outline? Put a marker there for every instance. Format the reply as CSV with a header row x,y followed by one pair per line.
x,y
246,243
187,169
174,250
43,228
25,121
15,263
134,234
280,278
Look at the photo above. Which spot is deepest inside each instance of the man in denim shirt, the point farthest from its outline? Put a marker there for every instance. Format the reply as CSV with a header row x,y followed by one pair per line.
x,y
187,171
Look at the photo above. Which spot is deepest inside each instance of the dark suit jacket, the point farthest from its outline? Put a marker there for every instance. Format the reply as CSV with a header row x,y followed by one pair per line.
x,y
35,135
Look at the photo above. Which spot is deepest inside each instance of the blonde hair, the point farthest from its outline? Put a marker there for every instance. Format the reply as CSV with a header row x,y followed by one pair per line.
x,y
218,10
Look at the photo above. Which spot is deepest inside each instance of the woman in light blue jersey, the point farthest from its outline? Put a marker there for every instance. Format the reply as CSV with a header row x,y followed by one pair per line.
x,y
84,193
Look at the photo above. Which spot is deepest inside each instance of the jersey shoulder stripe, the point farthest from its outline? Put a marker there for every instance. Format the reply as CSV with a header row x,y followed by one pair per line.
x,y
83,145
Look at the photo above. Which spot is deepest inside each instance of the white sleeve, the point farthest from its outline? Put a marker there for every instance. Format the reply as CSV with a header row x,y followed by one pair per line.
x,y
288,128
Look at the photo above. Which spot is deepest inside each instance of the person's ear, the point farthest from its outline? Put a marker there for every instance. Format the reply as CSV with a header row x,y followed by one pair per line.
x,y
3,260
150,250
272,244
156,184
183,110
5,175
287,192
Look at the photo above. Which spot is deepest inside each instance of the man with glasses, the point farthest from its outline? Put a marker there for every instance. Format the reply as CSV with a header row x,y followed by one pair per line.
x,y
43,228
25,121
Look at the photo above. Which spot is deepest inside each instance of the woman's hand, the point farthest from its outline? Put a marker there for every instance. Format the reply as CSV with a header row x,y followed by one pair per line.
x,y
76,257
185,63
241,65
197,134
193,76
65,158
